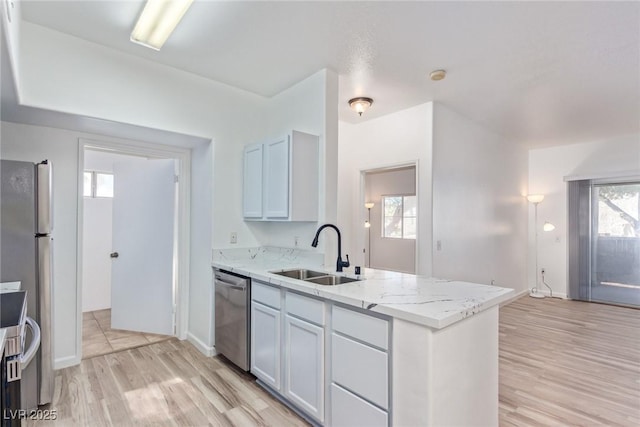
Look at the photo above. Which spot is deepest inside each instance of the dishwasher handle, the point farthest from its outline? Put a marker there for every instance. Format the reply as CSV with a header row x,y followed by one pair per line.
x,y
240,286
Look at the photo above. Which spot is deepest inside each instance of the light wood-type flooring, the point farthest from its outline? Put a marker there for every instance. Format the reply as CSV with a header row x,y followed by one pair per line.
x,y
98,338
569,363
562,363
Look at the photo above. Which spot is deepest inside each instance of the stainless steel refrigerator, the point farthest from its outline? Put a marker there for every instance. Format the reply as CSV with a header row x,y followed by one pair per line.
x,y
26,222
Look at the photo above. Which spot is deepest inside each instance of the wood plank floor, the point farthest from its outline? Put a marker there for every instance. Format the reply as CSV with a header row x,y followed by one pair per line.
x,y
562,363
98,338
569,363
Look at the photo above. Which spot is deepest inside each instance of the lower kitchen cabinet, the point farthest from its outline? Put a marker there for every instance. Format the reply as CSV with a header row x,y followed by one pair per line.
x,y
349,410
265,344
304,366
297,340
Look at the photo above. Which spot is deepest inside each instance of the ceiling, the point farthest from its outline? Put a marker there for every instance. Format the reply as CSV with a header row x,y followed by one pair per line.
x,y
539,73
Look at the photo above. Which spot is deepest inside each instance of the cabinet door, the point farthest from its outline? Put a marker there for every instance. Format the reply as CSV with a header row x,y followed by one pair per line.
x,y
304,366
276,175
252,181
265,344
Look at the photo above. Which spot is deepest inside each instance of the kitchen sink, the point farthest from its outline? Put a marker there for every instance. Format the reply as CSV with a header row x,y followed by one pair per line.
x,y
331,280
317,277
300,274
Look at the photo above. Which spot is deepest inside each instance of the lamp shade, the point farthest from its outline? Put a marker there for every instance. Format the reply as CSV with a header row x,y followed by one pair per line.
x,y
535,198
367,224
548,226
369,205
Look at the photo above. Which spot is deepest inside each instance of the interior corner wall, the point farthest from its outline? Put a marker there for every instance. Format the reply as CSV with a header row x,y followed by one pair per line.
x,y
547,169
479,208
396,139
309,106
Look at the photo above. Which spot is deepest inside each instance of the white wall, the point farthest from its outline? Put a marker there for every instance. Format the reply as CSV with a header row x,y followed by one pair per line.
x,y
396,139
309,107
479,212
387,253
91,80
547,169
11,24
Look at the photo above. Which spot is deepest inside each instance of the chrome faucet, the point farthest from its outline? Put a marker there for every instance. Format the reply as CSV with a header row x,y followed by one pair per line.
x,y
339,262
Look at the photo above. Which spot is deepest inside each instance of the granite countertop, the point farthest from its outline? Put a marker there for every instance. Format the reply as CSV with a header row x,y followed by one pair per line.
x,y
436,303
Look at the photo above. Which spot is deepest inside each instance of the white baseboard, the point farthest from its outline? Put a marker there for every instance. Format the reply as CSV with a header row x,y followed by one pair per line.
x,y
546,293
515,297
200,345
65,362
526,292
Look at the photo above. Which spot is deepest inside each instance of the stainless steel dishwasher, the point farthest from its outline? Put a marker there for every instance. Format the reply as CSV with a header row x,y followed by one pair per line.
x,y
232,311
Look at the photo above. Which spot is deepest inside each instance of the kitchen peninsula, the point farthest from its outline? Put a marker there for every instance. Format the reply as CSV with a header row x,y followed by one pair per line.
x,y
394,348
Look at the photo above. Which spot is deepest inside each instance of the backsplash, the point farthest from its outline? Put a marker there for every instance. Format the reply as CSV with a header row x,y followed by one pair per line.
x,y
288,257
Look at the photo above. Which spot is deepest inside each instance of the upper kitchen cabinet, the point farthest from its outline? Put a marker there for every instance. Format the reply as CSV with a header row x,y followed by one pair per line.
x,y
281,179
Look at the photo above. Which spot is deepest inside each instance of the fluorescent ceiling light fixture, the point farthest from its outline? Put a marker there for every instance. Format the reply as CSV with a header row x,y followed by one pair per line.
x,y
157,21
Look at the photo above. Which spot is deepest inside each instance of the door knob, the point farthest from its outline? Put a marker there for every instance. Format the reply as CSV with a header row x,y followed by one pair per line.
x,y
114,255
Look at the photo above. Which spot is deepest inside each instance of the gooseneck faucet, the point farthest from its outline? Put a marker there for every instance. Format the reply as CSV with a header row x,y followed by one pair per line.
x,y
339,262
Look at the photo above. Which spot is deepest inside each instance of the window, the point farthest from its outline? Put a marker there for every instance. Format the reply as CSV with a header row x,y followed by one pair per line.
x,y
98,184
399,217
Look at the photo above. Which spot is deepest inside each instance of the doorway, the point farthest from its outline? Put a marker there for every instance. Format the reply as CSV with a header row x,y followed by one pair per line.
x,y
391,219
130,296
615,243
604,258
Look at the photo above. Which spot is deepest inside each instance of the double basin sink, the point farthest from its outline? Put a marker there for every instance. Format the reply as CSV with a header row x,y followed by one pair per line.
x,y
317,277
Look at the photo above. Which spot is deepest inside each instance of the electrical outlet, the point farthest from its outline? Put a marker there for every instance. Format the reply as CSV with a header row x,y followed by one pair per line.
x,y
234,237
543,271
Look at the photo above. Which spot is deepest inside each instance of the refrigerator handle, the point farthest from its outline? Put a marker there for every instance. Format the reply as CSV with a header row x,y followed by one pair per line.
x,y
30,353
44,202
46,315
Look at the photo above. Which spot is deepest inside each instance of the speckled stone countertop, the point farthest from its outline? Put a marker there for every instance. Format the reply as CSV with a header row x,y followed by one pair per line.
x,y
436,303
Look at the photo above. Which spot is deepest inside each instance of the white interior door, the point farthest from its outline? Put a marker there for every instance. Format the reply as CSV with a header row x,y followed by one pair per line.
x,y
142,274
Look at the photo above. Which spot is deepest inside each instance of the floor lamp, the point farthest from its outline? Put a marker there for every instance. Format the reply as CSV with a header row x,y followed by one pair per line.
x,y
367,225
536,199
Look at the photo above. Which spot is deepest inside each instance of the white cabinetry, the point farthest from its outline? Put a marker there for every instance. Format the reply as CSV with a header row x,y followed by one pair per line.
x,y
252,181
304,366
281,179
359,369
265,335
289,355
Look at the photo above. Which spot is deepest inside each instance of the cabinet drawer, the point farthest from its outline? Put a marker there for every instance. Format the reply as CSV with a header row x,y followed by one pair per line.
x,y
304,307
360,368
369,329
267,295
348,410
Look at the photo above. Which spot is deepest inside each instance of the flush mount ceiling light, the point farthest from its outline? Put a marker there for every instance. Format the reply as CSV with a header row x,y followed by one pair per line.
x,y
157,21
360,105
437,75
